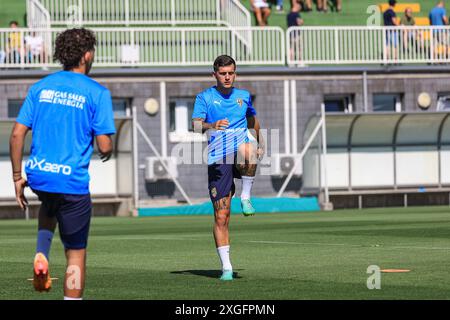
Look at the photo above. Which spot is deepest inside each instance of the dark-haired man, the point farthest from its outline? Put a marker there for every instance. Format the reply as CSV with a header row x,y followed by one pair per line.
x,y
392,34
227,113
66,111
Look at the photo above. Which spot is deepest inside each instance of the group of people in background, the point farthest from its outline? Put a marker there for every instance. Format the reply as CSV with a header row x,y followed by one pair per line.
x,y
437,17
321,5
30,49
262,9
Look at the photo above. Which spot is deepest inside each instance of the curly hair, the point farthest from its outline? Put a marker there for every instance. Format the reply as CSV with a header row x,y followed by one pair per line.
x,y
72,44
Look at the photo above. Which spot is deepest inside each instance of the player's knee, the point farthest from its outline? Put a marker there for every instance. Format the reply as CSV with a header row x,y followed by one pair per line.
x,y
222,226
222,218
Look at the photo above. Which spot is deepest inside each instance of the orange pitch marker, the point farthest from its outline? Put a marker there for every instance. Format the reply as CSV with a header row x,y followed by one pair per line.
x,y
395,270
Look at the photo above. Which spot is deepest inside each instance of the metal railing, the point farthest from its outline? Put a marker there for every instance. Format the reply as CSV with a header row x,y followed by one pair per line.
x,y
175,46
37,15
233,14
35,47
20,48
367,45
150,46
147,12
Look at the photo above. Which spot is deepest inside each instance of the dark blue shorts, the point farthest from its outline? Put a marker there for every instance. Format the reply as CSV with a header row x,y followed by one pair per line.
x,y
73,213
221,180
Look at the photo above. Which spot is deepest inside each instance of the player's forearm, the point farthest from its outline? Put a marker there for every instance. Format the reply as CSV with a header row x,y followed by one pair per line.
x,y
201,126
253,124
260,139
105,146
16,144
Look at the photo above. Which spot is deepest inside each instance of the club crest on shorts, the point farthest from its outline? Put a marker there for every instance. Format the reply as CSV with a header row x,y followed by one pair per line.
x,y
240,102
214,192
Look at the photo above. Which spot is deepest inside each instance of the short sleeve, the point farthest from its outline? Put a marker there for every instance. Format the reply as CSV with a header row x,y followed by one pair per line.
x,y
250,110
392,15
103,120
26,111
200,108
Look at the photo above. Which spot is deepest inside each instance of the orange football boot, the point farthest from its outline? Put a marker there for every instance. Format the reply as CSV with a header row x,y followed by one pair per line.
x,y
41,277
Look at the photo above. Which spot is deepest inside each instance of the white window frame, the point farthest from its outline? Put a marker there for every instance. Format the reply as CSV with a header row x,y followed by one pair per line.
x,y
182,132
439,97
397,104
347,98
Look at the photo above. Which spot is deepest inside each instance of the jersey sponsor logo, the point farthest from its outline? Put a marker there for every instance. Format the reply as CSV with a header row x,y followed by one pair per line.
x,y
214,192
46,96
217,102
63,98
42,165
240,102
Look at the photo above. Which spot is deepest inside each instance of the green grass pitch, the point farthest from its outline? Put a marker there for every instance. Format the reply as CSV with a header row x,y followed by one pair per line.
x,y
323,255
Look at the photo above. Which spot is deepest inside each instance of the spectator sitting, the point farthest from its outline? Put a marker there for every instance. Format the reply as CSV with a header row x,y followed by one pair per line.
x,y
35,48
322,5
262,12
14,50
306,5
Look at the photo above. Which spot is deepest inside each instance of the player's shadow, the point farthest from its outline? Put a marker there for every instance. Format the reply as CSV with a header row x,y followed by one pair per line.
x,y
206,273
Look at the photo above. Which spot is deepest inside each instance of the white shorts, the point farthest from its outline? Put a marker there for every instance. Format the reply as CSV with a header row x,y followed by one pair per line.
x,y
261,4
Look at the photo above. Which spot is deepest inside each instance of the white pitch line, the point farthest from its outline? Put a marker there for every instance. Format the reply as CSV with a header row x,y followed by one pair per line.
x,y
307,243
101,238
348,245
420,248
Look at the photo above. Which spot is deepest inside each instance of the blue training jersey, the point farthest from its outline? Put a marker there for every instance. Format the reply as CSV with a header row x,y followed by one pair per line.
x,y
65,110
212,106
437,15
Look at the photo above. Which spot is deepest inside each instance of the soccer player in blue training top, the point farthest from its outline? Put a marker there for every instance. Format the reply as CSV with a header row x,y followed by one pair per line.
x,y
65,111
227,113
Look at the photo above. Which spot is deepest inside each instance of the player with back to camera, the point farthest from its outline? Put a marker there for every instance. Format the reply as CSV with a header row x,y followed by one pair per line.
x,y
65,111
227,114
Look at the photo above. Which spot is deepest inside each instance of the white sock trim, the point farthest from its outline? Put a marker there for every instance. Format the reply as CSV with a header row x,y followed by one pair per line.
x,y
247,183
224,255
69,298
